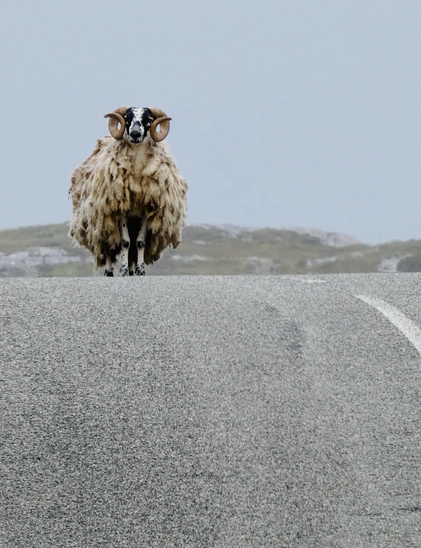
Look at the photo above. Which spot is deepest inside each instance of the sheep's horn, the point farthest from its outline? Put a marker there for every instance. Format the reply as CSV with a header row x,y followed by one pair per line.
x,y
160,119
116,118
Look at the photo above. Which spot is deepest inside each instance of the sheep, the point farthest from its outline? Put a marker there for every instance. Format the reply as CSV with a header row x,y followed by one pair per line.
x,y
129,199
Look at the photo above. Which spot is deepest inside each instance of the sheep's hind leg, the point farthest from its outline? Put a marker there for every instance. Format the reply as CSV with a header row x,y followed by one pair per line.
x,y
125,244
140,244
109,267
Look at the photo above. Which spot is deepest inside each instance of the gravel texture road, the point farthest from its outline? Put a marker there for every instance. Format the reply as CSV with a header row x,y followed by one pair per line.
x,y
211,412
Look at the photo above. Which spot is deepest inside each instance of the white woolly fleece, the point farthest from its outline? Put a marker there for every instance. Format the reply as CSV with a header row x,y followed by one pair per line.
x,y
134,180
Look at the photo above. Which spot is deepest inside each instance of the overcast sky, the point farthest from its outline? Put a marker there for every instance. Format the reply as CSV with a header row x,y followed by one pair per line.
x,y
285,112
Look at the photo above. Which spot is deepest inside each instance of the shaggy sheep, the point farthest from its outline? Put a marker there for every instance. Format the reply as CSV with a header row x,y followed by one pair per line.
x,y
128,196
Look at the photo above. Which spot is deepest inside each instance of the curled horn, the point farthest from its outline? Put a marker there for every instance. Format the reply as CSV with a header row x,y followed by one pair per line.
x,y
160,119
116,118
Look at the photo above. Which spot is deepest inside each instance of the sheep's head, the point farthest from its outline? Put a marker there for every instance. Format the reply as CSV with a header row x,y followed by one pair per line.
x,y
133,124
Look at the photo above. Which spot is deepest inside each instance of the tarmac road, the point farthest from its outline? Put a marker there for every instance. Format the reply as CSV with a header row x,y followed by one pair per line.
x,y
211,412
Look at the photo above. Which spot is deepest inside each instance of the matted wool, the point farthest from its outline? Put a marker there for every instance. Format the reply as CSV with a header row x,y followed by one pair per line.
x,y
109,185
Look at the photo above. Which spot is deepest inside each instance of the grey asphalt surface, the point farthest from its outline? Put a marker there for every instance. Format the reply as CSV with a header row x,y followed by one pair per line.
x,y
209,412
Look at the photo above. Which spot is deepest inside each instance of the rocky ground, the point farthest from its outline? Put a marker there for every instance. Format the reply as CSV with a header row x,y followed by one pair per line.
x,y
209,249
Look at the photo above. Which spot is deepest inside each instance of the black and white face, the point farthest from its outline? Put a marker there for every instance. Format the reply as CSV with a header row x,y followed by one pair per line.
x,y
138,124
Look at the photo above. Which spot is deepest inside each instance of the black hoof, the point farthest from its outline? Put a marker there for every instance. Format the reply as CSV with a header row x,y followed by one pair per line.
x,y
140,271
109,273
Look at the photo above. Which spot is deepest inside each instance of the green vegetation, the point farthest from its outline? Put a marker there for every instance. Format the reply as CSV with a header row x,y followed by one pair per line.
x,y
19,239
47,251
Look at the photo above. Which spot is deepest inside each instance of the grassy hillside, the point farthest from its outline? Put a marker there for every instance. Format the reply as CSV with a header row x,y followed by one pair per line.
x,y
47,251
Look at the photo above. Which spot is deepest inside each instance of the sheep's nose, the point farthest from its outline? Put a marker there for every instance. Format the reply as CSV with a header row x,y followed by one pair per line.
x,y
136,133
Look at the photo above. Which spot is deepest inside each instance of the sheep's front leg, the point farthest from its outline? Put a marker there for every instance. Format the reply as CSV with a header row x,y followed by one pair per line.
x,y
140,244
109,267
125,244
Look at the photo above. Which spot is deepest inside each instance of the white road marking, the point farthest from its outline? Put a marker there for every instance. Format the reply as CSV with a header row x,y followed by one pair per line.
x,y
406,326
